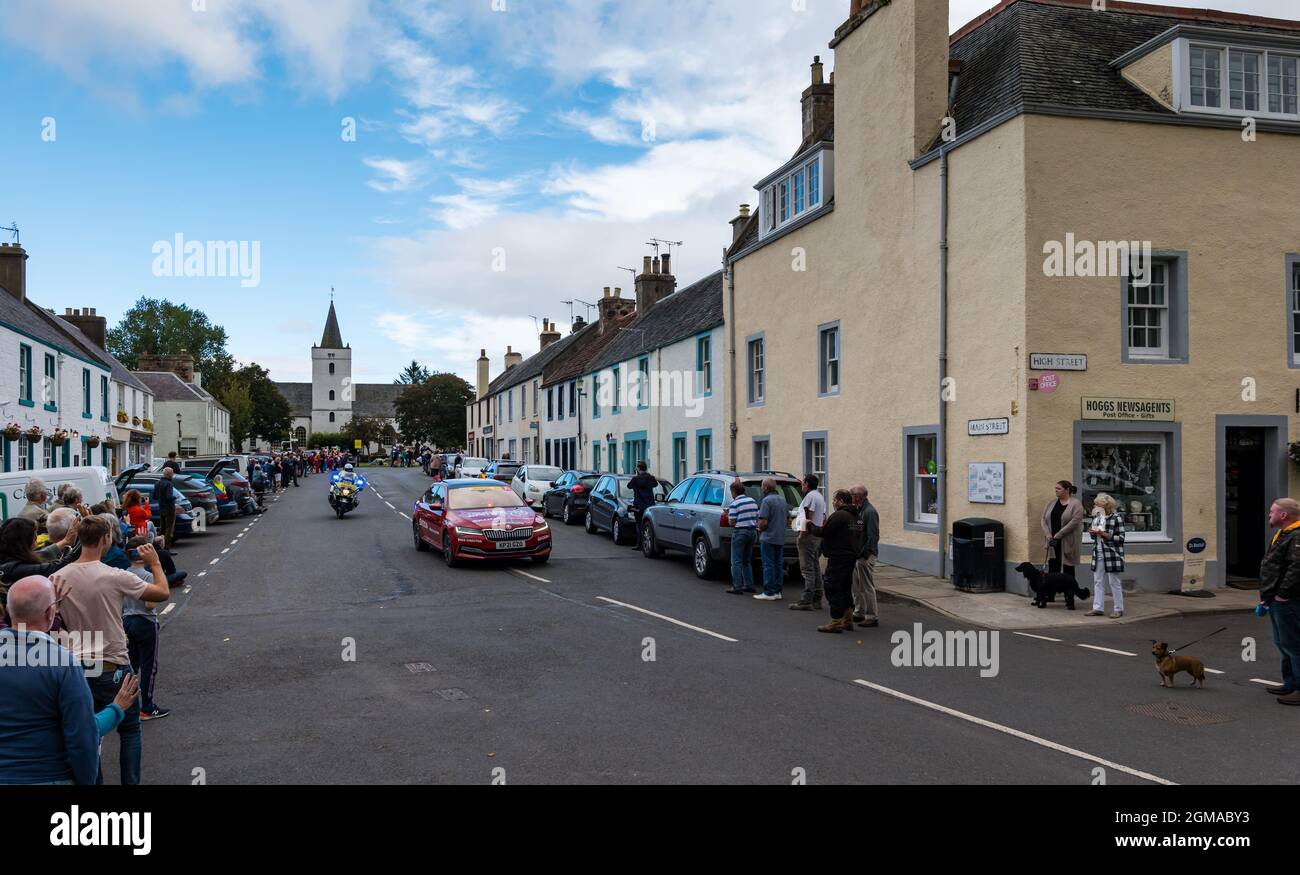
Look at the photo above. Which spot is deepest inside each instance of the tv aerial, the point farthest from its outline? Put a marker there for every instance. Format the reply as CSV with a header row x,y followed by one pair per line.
x,y
12,229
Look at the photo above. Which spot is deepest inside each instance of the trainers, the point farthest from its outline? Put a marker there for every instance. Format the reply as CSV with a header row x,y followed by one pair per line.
x,y
1095,614
734,591
802,606
1117,615
156,714
764,597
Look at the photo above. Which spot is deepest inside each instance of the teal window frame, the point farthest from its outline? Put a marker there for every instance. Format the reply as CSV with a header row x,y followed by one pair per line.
x,y
643,387
85,394
595,396
612,450
595,457
681,461
617,399
103,396
704,376
702,435
51,382
25,376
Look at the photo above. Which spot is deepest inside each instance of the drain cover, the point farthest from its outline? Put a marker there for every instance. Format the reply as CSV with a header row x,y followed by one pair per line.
x,y
419,667
453,695
1183,715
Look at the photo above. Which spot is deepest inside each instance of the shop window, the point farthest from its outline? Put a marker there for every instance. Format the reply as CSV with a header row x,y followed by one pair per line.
x,y
1133,468
921,477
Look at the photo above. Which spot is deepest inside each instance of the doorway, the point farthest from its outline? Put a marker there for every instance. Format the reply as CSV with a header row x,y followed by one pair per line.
x,y
1246,502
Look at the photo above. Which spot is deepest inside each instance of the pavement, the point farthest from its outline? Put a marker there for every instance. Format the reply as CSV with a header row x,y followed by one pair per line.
x,y
1009,611
311,650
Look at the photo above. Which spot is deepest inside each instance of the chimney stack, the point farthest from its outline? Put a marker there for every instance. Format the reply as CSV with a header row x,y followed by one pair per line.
x,y
181,365
513,358
13,270
549,334
738,223
614,307
93,326
818,103
483,380
578,324
655,283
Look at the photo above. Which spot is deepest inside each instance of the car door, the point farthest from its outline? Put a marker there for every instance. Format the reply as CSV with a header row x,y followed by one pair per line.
x,y
602,503
437,512
519,483
688,512
670,531
424,516
553,500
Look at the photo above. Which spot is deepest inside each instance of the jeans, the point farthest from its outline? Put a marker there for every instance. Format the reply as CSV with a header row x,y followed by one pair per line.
x,y
864,588
1286,635
742,559
102,690
142,643
1101,578
773,567
810,548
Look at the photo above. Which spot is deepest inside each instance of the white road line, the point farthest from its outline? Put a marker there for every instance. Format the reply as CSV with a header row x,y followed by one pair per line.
x,y
1266,683
1106,650
403,514
215,561
998,727
390,504
377,495
669,620
167,610
225,551
187,588
234,542
1213,671
202,573
529,576
1039,637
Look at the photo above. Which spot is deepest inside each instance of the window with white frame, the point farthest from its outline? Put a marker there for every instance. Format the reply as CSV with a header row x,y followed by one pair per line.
x,y
763,455
923,478
704,365
828,343
792,193
24,454
47,454
757,372
1294,297
815,461
1257,81
1148,313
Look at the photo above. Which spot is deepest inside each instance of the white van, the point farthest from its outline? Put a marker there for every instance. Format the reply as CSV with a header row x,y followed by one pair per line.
x,y
94,481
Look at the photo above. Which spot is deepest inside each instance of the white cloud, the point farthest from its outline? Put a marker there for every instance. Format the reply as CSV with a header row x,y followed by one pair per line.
x,y
450,340
396,175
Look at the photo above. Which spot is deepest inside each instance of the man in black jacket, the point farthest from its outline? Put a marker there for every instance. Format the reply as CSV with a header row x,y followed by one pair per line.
x,y
866,611
1279,591
841,545
643,488
166,495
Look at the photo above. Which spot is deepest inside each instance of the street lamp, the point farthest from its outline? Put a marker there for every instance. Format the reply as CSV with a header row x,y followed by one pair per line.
x,y
178,435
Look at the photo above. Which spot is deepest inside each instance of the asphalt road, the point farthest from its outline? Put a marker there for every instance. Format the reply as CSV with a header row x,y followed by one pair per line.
x,y
539,675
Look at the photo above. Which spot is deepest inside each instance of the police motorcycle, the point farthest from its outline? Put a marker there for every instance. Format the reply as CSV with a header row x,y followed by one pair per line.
x,y
345,490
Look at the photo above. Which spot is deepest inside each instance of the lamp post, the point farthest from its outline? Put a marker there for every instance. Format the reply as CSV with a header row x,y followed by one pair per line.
x,y
178,435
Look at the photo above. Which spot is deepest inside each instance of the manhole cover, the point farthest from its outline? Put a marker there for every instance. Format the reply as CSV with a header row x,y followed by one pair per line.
x,y
419,667
453,695
1183,715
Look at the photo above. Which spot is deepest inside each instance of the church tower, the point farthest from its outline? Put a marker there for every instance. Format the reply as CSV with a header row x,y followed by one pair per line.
x,y
331,379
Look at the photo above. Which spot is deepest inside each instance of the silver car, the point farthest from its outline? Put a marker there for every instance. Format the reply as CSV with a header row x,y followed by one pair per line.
x,y
690,521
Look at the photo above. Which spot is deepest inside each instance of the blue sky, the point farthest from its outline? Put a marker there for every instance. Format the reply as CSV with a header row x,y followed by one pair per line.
x,y
552,138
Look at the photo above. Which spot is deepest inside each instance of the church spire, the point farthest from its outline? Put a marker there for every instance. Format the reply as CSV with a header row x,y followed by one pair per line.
x,y
332,338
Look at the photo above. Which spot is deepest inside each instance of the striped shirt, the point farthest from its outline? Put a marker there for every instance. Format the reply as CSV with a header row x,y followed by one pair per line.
x,y
744,513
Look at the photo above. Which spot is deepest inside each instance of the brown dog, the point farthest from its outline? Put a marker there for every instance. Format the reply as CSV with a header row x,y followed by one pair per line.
x,y
1168,665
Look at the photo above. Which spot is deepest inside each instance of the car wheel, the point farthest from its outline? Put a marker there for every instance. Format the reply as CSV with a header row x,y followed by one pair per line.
x,y
566,514
419,542
591,524
448,552
704,565
616,531
546,509
649,543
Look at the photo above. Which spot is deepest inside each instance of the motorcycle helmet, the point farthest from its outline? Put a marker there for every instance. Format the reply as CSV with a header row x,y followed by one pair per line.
x,y
347,467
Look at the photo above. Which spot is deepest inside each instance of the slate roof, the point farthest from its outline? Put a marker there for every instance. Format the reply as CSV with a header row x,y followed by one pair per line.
x,y
1058,53
47,328
166,386
375,399
120,371
682,314
332,338
590,343
299,397
533,365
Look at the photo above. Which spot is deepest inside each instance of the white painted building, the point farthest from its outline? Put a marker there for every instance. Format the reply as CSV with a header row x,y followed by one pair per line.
x,y
54,386
187,418
656,393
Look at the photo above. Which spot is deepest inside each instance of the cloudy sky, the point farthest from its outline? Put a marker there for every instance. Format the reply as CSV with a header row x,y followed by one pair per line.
x,y
454,168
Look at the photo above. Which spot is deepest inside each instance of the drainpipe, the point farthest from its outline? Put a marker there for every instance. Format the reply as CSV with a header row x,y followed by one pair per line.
x,y
731,356
943,343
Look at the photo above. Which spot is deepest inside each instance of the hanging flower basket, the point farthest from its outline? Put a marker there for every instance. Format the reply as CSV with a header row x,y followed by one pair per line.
x,y
13,431
135,420
92,441
148,425
122,417
34,433
58,438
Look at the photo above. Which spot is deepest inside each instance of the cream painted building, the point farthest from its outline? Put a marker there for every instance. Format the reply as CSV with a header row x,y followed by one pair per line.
x,y
908,326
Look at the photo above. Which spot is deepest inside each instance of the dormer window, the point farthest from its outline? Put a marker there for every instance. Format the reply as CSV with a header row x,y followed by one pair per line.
x,y
796,190
1238,80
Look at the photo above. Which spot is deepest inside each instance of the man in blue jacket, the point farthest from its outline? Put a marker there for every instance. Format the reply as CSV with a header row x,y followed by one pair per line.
x,y
47,727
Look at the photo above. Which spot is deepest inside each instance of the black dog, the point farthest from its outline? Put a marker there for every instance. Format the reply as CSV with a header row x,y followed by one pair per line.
x,y
1046,586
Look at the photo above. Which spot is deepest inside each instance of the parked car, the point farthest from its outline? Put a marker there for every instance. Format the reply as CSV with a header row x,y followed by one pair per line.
x,y
690,520
199,493
503,470
609,508
470,467
95,483
228,469
568,496
479,520
531,482
184,509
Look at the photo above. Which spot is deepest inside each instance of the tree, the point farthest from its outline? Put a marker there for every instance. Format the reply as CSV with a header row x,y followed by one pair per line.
x,y
325,439
154,327
412,375
369,430
434,411
271,416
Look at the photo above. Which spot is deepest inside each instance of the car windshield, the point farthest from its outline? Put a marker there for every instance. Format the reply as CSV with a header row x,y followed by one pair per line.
x,y
661,492
787,489
550,475
508,470
473,463
589,482
483,498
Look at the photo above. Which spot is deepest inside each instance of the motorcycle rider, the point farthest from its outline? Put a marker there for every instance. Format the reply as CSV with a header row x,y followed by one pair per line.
x,y
348,475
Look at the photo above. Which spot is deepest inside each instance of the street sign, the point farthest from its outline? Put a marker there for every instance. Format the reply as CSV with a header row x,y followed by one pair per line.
x,y
985,483
1057,361
980,427
357,443
1049,382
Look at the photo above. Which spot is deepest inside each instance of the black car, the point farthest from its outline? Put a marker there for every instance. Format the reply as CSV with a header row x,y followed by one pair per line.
x,y
609,507
567,497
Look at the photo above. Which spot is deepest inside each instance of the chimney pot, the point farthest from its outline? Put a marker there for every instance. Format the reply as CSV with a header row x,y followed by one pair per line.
x,y
665,264
646,265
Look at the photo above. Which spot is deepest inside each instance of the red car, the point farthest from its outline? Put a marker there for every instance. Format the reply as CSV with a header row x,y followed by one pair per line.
x,y
477,520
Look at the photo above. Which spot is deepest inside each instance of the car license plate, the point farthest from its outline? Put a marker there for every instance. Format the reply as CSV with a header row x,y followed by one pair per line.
x,y
511,545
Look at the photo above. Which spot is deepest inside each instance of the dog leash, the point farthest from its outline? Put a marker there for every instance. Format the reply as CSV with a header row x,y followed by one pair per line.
x,y
1199,640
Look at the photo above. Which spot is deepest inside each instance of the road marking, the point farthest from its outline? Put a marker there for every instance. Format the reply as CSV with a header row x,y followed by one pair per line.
x,y
1039,637
202,574
167,610
187,588
377,495
1213,671
234,542
225,551
529,576
215,561
988,724
1266,683
1107,650
669,620
390,504
404,514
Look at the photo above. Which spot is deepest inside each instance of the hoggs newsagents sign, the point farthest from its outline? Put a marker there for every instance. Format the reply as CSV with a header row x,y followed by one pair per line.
x,y
1129,409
